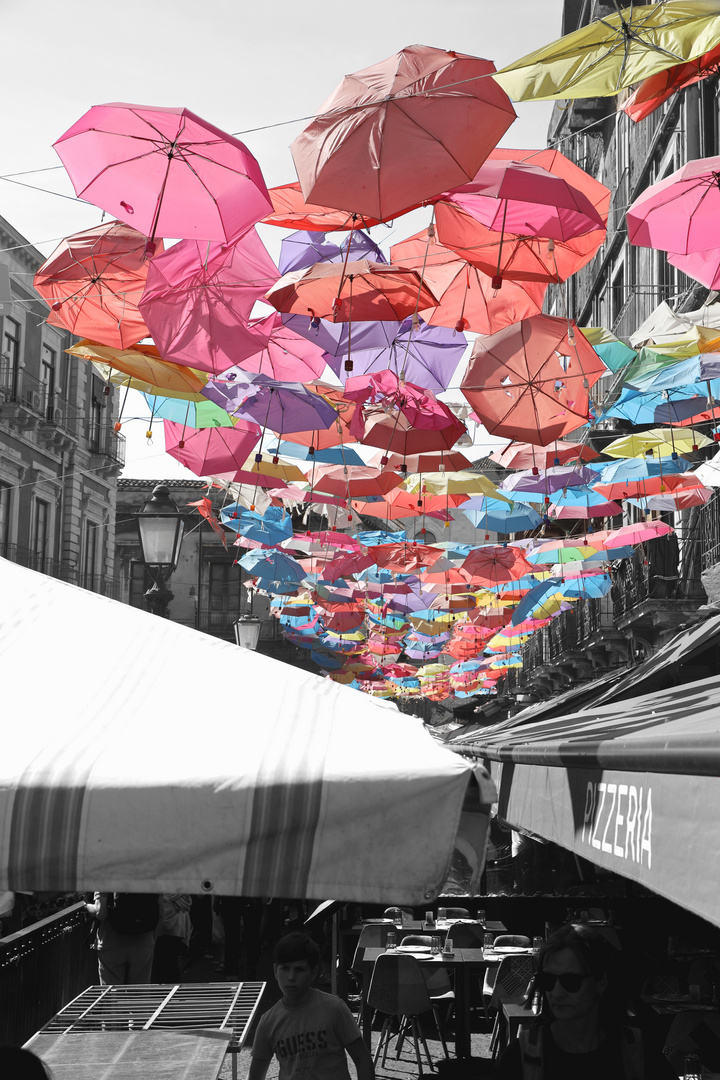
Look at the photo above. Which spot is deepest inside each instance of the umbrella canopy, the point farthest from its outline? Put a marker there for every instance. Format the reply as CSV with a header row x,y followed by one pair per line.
x,y
530,381
286,807
280,353
290,211
527,456
354,481
363,291
468,299
524,198
681,212
167,172
283,407
199,297
492,565
302,249
615,51
211,450
396,434
494,515
703,266
189,414
93,283
144,365
652,92
614,353
436,109
658,441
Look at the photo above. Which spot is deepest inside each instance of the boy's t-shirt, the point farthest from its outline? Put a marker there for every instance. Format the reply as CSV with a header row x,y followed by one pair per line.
x,y
308,1041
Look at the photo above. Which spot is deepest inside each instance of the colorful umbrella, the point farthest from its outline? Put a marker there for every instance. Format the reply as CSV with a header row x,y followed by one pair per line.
x,y
436,109
211,450
652,92
548,480
301,249
93,283
397,435
530,381
280,353
615,51
283,407
681,212
658,441
199,297
614,353
361,291
189,414
527,456
354,481
494,515
468,300
164,171
703,266
290,211
492,565
145,368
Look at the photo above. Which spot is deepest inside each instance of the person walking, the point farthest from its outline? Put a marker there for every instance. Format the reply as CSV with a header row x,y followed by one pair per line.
x,y
125,936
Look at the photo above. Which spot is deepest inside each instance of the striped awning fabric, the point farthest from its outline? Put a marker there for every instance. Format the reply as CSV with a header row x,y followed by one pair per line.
x,y
142,756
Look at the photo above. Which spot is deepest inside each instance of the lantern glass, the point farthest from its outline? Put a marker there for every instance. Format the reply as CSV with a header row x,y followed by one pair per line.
x,y
161,528
247,631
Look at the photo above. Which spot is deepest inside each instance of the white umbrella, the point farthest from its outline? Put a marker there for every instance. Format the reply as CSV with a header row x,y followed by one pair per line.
x,y
142,756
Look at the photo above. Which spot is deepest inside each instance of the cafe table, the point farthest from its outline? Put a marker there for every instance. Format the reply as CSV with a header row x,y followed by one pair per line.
x,y
465,963
182,1007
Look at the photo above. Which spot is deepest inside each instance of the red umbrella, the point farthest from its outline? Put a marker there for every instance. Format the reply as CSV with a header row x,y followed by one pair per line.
x,y
493,565
199,297
648,485
399,504
207,451
396,433
164,171
292,212
362,291
468,300
439,461
652,92
401,131
349,562
93,283
405,557
354,481
531,381
518,455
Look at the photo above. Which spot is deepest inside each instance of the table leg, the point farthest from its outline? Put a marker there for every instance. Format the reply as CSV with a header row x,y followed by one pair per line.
x,y
462,1011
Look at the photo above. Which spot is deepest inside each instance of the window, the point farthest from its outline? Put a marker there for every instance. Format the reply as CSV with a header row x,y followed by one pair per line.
x,y
5,495
48,358
222,586
96,415
90,554
617,294
10,357
40,534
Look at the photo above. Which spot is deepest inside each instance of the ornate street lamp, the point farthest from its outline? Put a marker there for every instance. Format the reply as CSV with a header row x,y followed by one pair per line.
x,y
161,528
247,631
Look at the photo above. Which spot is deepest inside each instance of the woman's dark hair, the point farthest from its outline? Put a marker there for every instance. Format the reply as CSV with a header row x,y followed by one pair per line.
x,y
17,1064
598,957
297,946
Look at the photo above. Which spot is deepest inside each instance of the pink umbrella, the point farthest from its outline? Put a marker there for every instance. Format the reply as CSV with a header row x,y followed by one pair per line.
x,y
207,451
199,297
167,172
93,283
703,266
284,355
517,455
396,434
682,212
417,405
468,300
525,199
401,131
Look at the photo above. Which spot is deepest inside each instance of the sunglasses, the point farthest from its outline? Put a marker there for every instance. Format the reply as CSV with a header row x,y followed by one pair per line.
x,y
570,982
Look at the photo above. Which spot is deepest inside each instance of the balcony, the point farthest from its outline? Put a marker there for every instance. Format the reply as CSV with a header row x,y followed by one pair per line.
x,y
105,442
63,571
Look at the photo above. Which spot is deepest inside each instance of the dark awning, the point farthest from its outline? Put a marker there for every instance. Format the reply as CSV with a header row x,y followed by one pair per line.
x,y
633,787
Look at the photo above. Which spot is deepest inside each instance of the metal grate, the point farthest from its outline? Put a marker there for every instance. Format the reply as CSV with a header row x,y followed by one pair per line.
x,y
184,1007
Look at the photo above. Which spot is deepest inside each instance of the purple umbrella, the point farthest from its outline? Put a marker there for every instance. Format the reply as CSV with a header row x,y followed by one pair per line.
x,y
547,480
281,406
302,249
426,355
198,300
333,337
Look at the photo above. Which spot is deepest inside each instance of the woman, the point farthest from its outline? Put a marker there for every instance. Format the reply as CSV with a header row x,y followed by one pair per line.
x,y
583,1030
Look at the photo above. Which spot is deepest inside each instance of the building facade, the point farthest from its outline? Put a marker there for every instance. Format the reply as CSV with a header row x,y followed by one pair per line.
x,y
59,452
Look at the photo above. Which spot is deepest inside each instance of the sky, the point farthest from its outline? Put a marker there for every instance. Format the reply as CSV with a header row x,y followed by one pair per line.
x,y
257,70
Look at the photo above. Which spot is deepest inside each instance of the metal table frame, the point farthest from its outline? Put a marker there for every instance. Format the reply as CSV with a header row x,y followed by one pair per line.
x,y
182,1006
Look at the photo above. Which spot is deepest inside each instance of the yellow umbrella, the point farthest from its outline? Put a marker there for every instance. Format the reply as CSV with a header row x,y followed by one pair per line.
x,y
283,470
699,339
662,441
453,483
602,58
147,370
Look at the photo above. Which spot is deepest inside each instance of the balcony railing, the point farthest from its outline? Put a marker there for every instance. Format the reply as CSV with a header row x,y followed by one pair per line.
x,y
107,442
62,571
42,968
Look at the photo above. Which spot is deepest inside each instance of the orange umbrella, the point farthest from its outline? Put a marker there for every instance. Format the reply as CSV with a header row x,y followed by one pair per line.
x,y
648,485
399,132
354,481
531,381
437,461
468,300
656,89
517,455
292,212
363,291
493,565
93,283
145,367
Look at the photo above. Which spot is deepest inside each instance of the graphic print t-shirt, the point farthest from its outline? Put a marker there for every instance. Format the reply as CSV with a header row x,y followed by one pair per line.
x,y
308,1041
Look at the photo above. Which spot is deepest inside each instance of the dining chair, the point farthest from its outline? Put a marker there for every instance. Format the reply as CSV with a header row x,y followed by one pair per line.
x,y
694,1032
397,913
374,935
457,913
439,984
467,935
398,989
514,975
661,984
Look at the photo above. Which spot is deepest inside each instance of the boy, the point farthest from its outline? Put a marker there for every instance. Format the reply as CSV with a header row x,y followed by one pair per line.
x,y
308,1031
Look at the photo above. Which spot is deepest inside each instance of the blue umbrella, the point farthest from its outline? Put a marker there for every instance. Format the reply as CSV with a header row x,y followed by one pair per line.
x,y
500,517
377,536
640,468
272,565
697,369
332,455
194,414
270,528
534,598
584,588
660,406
